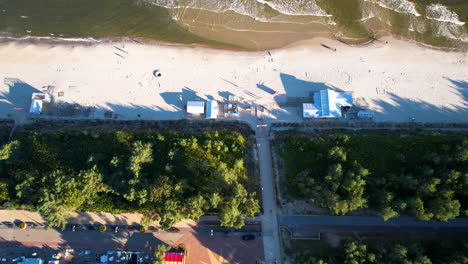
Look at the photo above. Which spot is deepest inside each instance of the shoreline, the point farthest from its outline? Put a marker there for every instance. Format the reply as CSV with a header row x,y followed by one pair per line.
x,y
38,40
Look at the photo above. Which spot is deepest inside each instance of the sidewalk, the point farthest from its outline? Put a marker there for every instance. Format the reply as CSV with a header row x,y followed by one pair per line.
x,y
79,218
106,219
82,218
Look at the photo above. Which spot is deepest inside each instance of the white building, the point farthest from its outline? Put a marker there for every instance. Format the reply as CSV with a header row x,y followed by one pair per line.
x,y
212,109
327,104
196,107
37,101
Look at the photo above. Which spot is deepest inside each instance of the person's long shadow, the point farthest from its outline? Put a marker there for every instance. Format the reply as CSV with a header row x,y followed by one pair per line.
x,y
265,88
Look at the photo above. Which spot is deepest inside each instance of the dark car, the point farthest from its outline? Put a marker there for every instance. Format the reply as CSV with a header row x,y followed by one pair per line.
x,y
9,224
173,230
248,237
152,229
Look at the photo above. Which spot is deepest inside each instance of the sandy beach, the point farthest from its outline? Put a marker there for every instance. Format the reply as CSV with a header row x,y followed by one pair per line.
x,y
399,80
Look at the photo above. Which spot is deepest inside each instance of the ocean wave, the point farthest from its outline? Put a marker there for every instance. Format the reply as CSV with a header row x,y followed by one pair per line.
x,y
252,8
414,25
296,8
451,31
441,13
400,6
366,17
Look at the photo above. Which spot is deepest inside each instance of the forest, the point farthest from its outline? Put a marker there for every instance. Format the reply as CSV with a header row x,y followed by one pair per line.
x,y
167,176
417,173
427,252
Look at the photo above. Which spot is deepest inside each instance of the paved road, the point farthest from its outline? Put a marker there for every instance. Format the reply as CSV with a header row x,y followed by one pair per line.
x,y
269,218
310,226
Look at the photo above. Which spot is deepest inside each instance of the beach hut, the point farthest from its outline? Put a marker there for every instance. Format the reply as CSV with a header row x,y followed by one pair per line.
x,y
212,109
37,102
196,107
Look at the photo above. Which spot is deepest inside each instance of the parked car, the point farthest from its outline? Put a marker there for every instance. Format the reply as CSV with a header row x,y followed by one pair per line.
x,y
9,224
152,229
91,227
248,237
173,230
31,225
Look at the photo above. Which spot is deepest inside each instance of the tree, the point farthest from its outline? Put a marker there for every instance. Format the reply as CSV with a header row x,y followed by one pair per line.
x,y
355,253
4,196
10,150
230,215
148,219
171,213
65,171
444,208
417,208
388,213
337,154
158,254
250,206
215,200
349,185
142,153
26,187
64,193
196,206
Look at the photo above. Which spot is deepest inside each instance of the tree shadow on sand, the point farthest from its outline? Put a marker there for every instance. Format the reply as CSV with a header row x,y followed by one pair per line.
x,y
398,108
179,99
18,96
298,91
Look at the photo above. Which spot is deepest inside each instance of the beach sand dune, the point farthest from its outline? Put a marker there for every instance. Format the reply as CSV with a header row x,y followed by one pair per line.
x,y
400,81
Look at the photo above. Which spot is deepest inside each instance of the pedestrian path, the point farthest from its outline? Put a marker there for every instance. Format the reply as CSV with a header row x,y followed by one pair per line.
x,y
78,218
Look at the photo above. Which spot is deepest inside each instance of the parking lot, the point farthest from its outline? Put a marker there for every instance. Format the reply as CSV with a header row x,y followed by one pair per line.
x,y
12,252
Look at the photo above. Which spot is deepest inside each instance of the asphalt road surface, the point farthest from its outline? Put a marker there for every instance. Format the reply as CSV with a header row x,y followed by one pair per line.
x,y
311,226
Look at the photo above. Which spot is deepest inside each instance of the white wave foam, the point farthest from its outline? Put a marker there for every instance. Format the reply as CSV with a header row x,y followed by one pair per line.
x,y
296,8
415,25
50,38
400,6
367,17
452,32
441,13
253,8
